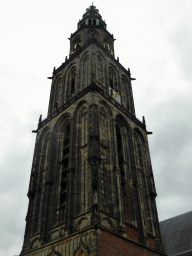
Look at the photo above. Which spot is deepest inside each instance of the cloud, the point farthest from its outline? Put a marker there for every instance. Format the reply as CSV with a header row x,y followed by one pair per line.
x,y
171,150
182,42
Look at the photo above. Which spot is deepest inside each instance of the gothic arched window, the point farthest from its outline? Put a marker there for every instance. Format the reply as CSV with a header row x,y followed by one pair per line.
x,y
85,73
120,153
84,126
112,79
120,148
103,125
138,150
81,138
124,93
56,96
123,147
104,134
100,69
73,75
65,165
72,81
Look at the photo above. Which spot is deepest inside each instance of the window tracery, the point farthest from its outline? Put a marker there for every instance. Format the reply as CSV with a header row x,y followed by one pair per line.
x,y
100,69
83,154
138,149
64,173
105,182
112,79
84,126
124,93
103,125
72,81
123,147
73,75
81,138
85,71
56,95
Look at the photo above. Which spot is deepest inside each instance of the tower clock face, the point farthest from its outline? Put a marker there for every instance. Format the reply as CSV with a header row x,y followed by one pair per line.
x,y
83,254
75,47
107,46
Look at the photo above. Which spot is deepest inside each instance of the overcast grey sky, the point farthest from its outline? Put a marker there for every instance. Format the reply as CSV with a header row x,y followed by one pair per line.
x,y
154,39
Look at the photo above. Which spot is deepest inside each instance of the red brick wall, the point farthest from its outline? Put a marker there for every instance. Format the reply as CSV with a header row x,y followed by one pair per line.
x,y
112,245
151,242
132,233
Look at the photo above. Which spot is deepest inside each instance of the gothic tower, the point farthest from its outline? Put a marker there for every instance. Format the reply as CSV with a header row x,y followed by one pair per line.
x,y
91,189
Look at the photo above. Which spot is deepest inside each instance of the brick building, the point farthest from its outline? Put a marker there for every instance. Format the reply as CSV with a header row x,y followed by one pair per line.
x,y
91,189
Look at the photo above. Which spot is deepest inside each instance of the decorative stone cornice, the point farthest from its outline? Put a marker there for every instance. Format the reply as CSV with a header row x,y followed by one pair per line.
x,y
93,26
92,87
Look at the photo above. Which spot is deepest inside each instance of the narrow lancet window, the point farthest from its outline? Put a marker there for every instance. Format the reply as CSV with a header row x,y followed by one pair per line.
x,y
72,81
65,162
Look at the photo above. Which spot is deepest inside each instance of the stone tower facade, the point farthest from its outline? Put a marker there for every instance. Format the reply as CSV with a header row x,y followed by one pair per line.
x,y
91,189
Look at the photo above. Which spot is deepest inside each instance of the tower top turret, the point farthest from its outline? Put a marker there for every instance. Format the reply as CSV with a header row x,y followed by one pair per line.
x,y
91,18
92,8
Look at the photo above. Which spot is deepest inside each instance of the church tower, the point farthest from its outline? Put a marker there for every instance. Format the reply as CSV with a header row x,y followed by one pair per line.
x,y
91,190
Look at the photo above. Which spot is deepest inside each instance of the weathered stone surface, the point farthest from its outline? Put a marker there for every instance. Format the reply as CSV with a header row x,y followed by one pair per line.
x,y
91,183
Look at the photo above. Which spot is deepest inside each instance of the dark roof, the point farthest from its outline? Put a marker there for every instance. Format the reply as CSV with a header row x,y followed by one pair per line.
x,y
176,234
